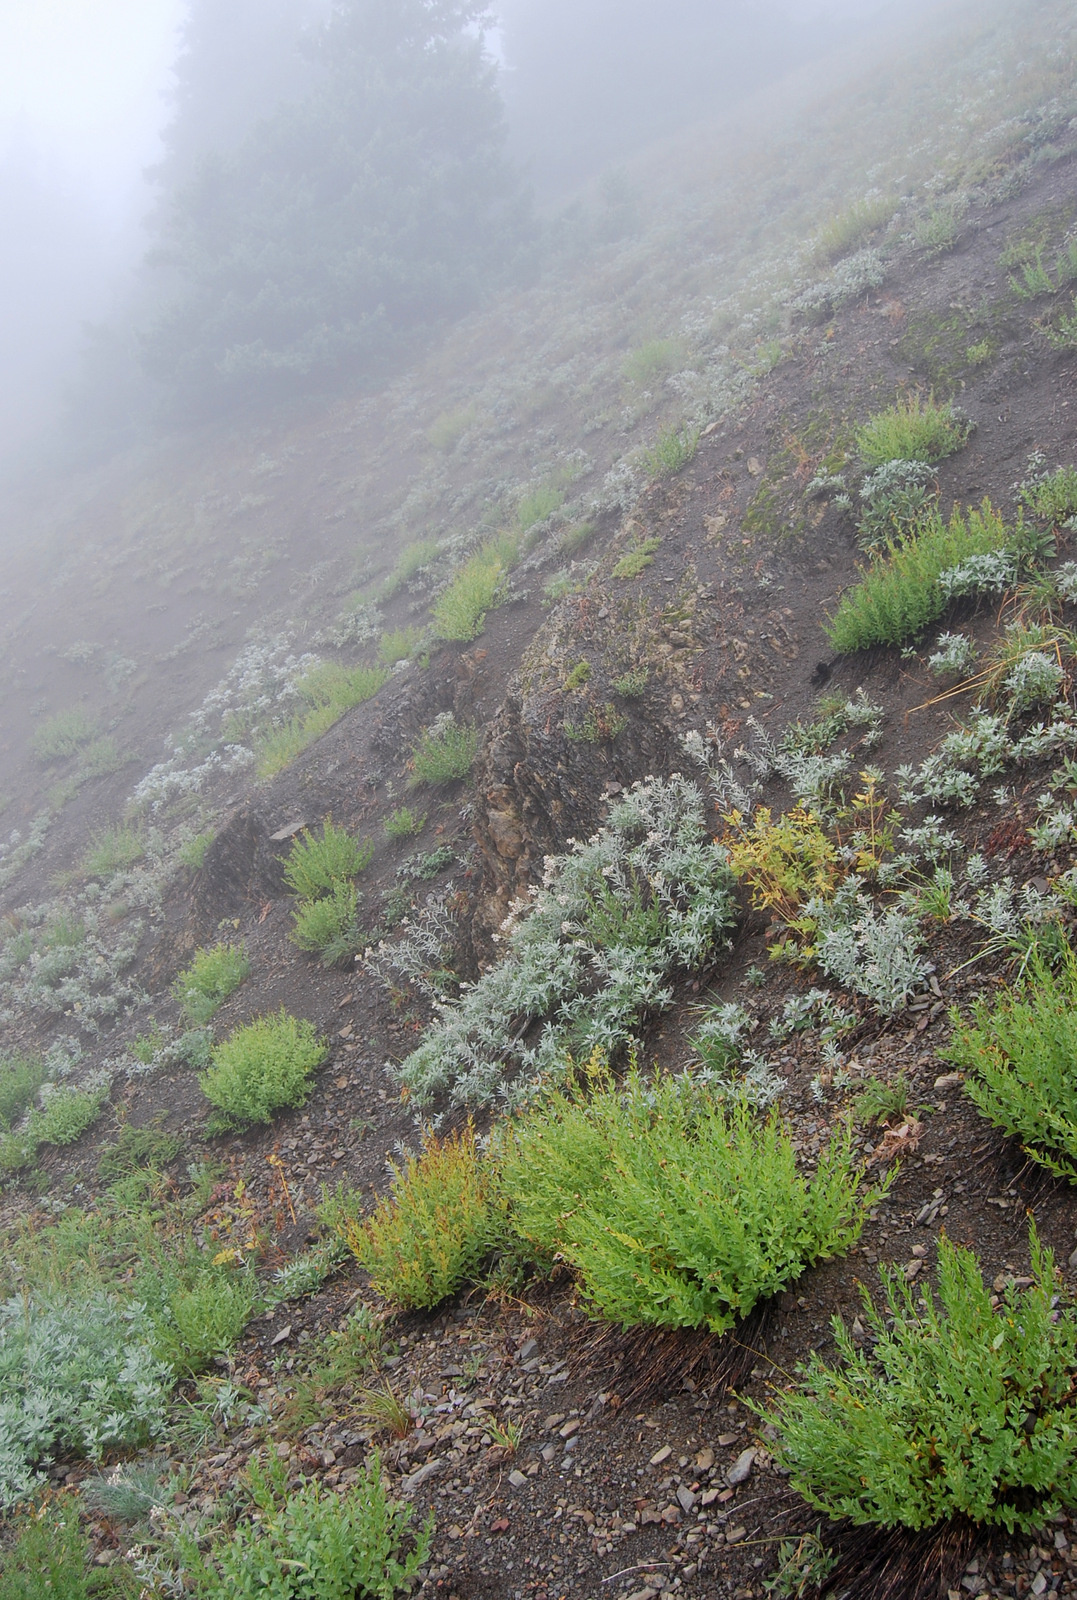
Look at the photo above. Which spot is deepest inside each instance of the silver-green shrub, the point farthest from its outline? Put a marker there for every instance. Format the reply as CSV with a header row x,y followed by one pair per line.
x,y
591,949
78,1375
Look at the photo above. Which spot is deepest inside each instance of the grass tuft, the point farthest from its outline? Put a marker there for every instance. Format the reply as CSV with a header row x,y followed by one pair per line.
x,y
444,754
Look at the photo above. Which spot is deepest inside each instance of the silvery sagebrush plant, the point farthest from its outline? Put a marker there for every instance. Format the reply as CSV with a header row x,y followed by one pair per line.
x,y
587,952
954,654
873,953
77,1375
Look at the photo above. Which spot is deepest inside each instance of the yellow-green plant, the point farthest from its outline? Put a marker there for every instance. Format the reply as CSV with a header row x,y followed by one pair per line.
x,y
262,1068
633,562
914,428
434,1229
784,863
674,1208
214,974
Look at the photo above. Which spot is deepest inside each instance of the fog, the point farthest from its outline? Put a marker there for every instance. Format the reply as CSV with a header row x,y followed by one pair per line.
x,y
108,107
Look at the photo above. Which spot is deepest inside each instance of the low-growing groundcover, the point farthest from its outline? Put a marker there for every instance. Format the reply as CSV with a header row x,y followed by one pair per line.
x,y
1020,1053
958,1409
676,1209
262,1068
78,1374
311,1544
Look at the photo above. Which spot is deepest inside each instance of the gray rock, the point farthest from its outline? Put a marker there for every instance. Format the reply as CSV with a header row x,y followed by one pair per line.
x,y
741,1470
429,1469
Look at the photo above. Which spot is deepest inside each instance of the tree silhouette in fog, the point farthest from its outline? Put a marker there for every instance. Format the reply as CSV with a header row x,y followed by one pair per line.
x,y
376,204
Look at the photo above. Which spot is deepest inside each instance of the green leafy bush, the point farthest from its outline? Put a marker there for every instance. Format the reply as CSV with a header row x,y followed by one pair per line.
x,y
653,362
277,749
913,429
335,687
900,593
445,752
1053,496
315,866
435,1228
412,559
194,852
263,1067
958,1409
1020,1051
399,645
62,735
852,228
212,976
537,506
20,1079
329,926
671,452
203,1318
66,1114
676,1210
459,614
51,1558
76,1374
310,1544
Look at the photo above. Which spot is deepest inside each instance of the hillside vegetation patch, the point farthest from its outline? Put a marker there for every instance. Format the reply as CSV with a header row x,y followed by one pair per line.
x,y
957,1408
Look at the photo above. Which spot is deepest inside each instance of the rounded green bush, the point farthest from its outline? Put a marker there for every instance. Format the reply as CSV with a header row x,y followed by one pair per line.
x,y
263,1067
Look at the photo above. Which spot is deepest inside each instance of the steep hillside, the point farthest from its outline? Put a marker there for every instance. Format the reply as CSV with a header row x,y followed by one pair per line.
x,y
739,547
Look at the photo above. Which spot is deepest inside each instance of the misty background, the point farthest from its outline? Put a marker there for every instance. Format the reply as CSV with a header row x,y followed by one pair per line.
x,y
180,178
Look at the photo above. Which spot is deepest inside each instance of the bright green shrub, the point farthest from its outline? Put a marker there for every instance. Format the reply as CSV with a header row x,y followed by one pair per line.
x,y
310,1544
537,506
404,823
203,1319
444,753
277,749
1053,497
412,559
435,1228
263,1067
967,1410
113,850
66,1115
1020,1051
315,866
671,452
212,976
900,594
676,1209
913,429
399,644
335,687
329,927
